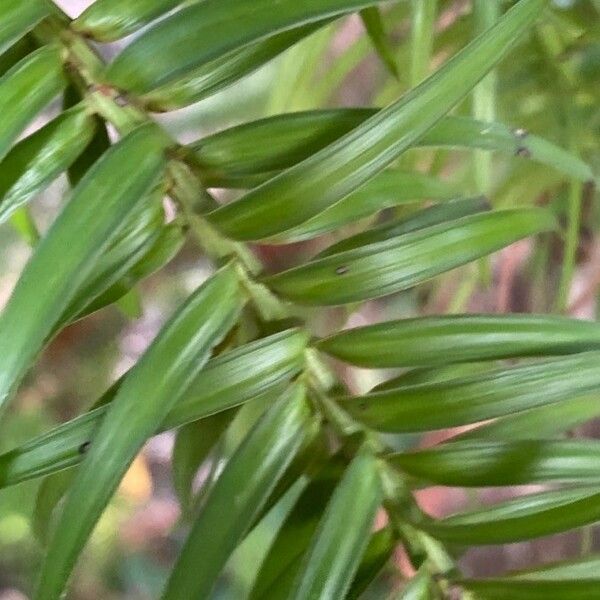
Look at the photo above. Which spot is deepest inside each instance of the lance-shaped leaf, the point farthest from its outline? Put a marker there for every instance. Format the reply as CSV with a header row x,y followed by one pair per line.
x,y
239,493
193,444
407,260
503,589
522,518
433,215
283,561
233,156
26,89
208,30
161,377
583,568
483,464
379,550
113,279
477,398
433,341
539,423
222,72
101,202
336,550
386,190
225,382
374,25
139,234
37,160
17,18
109,20
50,493
326,177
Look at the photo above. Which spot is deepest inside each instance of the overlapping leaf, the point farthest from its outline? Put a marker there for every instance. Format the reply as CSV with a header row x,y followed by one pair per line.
x,y
150,390
265,454
208,30
225,382
110,192
327,176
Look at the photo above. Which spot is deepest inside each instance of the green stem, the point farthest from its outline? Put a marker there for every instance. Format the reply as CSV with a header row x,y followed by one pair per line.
x,y
571,244
424,13
23,223
485,13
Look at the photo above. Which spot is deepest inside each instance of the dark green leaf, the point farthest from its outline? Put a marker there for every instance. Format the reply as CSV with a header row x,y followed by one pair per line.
x,y
26,89
17,18
37,160
523,518
225,382
373,22
193,444
379,550
259,149
451,339
238,495
110,192
483,464
296,533
161,377
208,30
336,550
109,20
222,72
501,589
407,260
50,493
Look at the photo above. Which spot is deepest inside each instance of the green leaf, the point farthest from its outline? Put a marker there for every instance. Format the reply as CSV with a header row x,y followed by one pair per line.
x,y
433,215
17,52
539,423
484,464
501,589
495,393
407,260
101,202
587,567
17,18
435,341
373,22
224,71
257,150
161,377
159,249
227,381
139,235
25,90
50,493
239,493
37,160
109,20
327,176
519,519
283,560
418,587
193,444
379,550
208,30
332,560
386,190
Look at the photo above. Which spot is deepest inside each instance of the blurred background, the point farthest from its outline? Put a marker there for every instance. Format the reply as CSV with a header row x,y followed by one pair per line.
x,y
550,86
